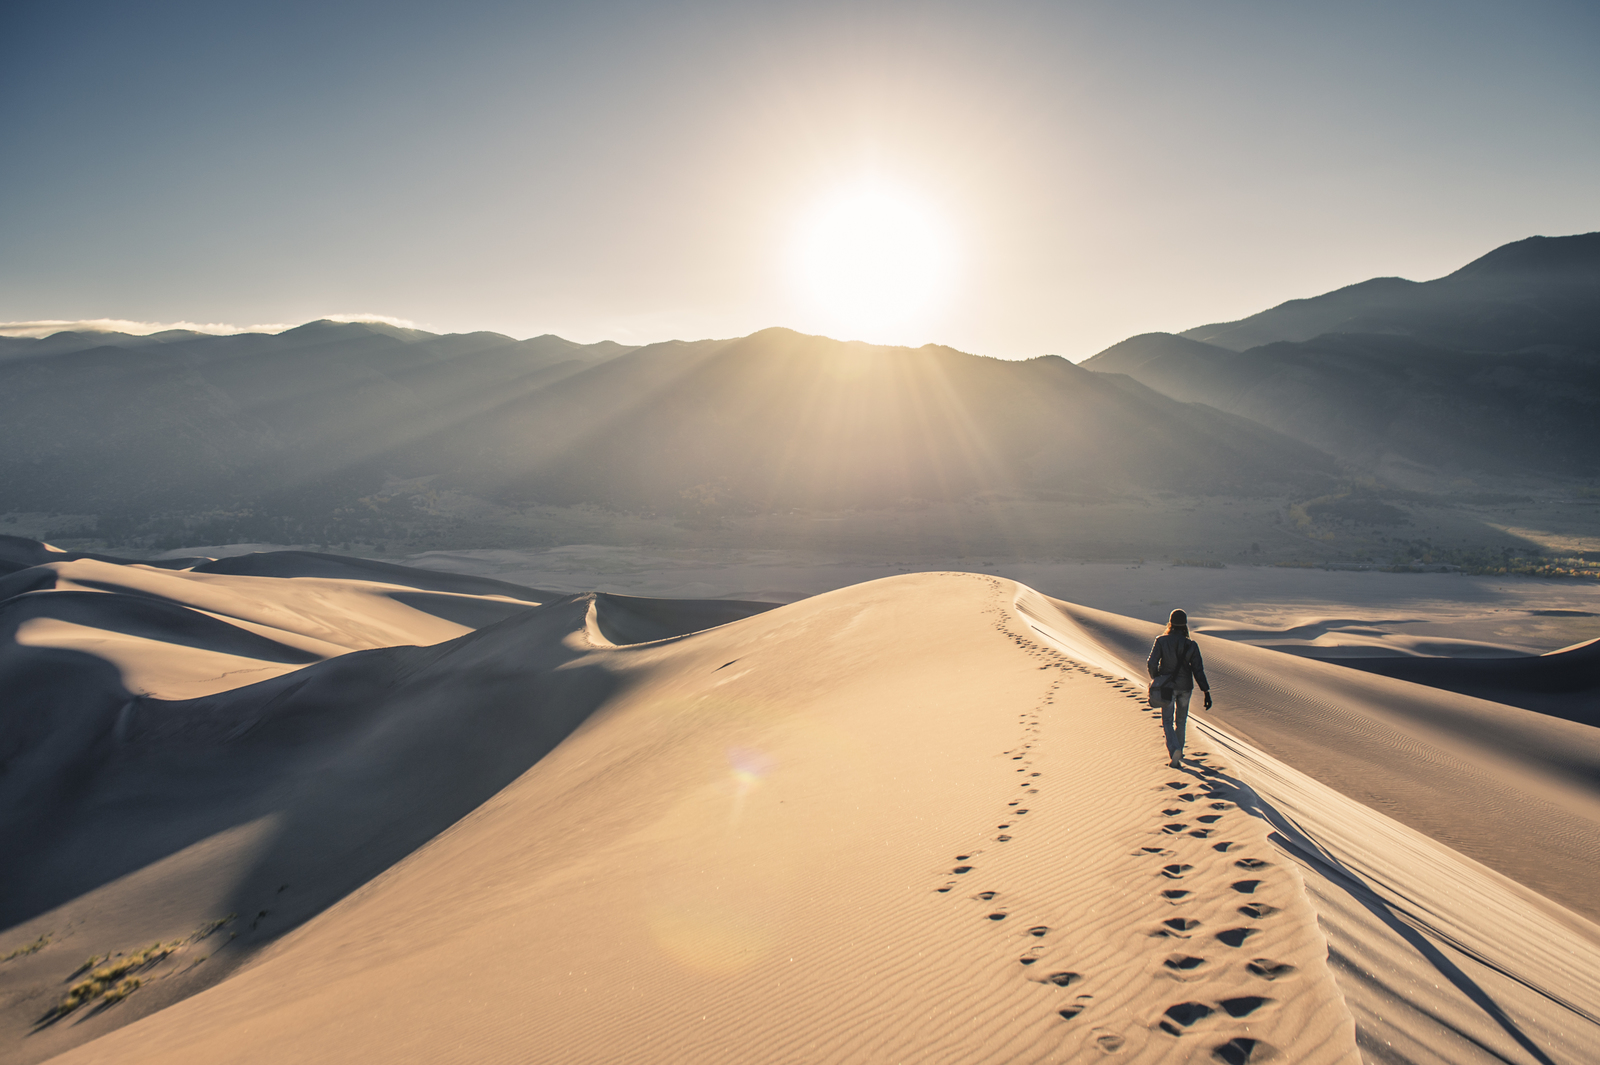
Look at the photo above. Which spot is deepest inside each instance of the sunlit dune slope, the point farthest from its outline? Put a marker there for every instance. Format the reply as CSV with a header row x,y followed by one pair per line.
x,y
920,819
1515,789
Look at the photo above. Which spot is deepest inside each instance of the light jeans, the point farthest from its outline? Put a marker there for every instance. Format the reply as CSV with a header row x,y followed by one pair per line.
x,y
1174,720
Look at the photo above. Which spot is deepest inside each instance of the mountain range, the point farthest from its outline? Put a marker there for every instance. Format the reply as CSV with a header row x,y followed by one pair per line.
x,y
776,420
1493,368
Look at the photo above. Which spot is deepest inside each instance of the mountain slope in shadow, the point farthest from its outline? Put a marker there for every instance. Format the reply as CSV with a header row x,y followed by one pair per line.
x,y
780,419
1494,368
102,421
1538,291
320,416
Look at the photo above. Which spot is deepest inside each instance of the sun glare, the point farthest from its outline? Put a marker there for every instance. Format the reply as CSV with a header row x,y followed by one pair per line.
x,y
872,262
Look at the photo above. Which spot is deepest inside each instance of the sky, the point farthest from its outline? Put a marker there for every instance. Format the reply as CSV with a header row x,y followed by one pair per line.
x,y
1010,179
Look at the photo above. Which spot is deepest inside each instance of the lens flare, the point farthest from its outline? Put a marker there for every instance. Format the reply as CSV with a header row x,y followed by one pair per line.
x,y
749,766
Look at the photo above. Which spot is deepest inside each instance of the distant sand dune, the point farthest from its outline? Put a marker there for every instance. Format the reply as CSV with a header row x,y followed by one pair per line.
x,y
925,818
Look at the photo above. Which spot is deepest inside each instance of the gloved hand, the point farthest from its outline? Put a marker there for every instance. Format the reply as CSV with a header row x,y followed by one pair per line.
x,y
1208,700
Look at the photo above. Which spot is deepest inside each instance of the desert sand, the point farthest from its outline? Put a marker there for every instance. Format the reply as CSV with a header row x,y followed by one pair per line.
x,y
367,812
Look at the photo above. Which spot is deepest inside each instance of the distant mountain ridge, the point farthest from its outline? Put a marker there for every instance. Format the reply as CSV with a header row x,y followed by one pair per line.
x,y
779,420
1494,367
318,418
1542,291
226,418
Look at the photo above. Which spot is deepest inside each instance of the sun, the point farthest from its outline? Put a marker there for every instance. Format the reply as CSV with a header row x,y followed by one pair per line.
x,y
872,262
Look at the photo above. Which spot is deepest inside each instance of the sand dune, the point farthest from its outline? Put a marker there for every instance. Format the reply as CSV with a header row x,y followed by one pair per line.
x,y
1563,683
924,818
1511,788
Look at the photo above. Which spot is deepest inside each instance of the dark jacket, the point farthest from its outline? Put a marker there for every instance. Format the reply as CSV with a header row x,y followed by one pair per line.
x,y
1164,656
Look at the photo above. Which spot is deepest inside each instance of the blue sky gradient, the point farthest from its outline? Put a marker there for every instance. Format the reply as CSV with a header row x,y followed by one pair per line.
x,y
634,171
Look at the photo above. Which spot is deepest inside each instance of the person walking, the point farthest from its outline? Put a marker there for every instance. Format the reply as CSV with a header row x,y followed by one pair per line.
x,y
1176,663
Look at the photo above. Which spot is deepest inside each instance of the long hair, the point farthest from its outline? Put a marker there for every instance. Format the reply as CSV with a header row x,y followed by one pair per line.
x,y
1178,622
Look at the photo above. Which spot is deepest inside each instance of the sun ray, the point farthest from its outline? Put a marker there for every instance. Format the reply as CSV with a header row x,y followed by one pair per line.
x,y
872,261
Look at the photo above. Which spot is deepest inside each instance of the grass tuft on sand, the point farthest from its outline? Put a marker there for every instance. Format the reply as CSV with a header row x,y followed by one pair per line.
x,y
30,948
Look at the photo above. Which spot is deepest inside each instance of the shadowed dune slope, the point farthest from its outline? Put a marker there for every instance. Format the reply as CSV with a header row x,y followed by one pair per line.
x,y
348,568
1563,683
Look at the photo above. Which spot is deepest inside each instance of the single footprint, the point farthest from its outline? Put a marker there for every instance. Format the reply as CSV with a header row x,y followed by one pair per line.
x,y
1246,887
1183,962
1209,819
1077,1007
986,895
1063,979
962,869
1200,833
1038,930
1110,1042
1003,838
1175,872
1173,893
942,890
1223,846
1257,910
1181,924
1173,829
1241,1051
1270,970
1186,1014
1243,1006
1251,863
1235,937
998,915
1174,812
